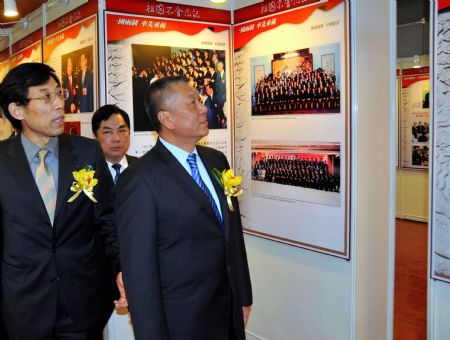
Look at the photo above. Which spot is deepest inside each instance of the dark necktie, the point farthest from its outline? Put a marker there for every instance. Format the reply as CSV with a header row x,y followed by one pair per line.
x,y
192,160
117,168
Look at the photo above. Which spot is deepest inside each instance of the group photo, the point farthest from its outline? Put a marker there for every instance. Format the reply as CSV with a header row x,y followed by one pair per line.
x,y
204,69
297,82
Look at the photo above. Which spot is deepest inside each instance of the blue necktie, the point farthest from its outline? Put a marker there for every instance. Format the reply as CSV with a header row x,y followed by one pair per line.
x,y
117,168
192,160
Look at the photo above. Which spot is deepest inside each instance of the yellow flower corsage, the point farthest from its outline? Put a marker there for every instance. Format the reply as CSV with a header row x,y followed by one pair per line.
x,y
84,182
231,184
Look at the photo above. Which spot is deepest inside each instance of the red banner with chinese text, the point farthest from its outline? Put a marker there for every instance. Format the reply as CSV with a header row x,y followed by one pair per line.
x,y
169,10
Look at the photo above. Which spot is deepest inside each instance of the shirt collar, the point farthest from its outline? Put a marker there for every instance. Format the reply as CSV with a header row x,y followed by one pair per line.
x,y
32,149
180,154
123,162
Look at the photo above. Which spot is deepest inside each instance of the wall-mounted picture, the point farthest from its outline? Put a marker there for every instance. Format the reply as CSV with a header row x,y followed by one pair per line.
x,y
296,82
298,171
204,69
293,127
420,155
78,78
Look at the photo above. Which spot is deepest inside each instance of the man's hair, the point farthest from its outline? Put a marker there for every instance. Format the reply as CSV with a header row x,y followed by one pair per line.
x,y
15,86
157,95
104,113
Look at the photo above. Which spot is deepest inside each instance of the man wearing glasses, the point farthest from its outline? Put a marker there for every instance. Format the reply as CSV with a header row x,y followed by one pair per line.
x,y
60,257
111,127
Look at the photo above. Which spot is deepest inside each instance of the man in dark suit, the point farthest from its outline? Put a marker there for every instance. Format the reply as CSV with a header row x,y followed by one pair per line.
x,y
111,127
220,83
85,91
215,114
69,83
182,249
59,258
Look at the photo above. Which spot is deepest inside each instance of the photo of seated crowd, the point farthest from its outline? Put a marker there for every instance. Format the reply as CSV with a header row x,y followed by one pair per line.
x,y
420,155
293,86
420,132
308,170
204,70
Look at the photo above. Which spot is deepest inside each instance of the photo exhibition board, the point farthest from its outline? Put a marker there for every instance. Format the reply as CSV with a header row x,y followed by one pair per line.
x,y
440,207
30,54
415,118
292,124
72,52
141,49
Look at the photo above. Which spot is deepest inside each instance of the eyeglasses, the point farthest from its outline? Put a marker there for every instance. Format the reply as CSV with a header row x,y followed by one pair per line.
x,y
50,97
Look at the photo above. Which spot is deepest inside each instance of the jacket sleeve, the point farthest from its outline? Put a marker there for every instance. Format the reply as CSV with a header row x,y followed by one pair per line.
x,y
137,221
239,256
104,212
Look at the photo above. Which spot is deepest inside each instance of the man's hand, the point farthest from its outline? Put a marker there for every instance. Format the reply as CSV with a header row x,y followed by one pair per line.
x,y
246,312
122,302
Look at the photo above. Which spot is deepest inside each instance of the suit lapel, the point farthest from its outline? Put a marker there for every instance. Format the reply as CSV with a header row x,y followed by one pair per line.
x,y
219,190
184,180
67,164
22,174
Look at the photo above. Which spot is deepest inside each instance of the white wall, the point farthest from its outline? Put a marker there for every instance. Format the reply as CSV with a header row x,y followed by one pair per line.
x,y
298,294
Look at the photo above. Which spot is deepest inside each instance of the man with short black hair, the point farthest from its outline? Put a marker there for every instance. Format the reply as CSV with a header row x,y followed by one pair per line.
x,y
111,127
60,256
182,249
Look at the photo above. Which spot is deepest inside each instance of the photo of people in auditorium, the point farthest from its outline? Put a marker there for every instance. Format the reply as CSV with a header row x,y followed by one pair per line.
x,y
420,155
420,131
307,170
204,70
78,77
295,83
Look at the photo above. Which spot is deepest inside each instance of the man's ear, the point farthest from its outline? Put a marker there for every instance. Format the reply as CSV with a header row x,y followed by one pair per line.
x,y
16,111
165,119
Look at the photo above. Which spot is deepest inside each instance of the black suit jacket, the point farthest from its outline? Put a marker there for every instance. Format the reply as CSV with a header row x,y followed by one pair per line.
x,y
85,91
185,277
78,256
131,159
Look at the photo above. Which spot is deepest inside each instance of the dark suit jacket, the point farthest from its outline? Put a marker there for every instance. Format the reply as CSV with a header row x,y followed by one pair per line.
x,y
185,277
85,91
77,256
131,159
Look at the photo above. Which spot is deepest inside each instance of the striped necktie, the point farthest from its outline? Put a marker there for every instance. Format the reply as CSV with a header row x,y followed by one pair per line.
x,y
192,160
116,167
46,184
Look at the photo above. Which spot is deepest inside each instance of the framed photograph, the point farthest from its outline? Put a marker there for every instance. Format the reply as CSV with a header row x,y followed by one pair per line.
x,y
292,128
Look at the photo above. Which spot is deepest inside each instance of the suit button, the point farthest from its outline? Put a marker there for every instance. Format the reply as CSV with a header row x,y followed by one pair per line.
x,y
228,269
55,279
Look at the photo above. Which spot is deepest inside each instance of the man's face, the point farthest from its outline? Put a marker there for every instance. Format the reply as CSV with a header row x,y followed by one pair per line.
x,y
40,118
69,67
188,114
83,62
208,90
219,66
114,138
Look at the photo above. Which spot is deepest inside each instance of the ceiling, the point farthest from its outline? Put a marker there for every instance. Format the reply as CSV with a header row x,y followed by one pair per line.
x,y
24,7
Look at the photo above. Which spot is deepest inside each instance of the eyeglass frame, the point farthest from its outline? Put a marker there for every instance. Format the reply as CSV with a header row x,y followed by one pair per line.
x,y
50,97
